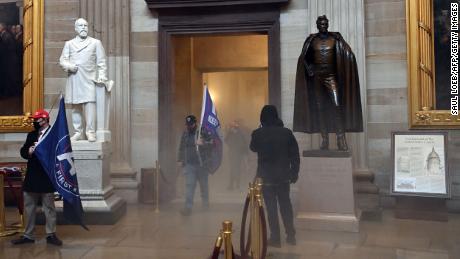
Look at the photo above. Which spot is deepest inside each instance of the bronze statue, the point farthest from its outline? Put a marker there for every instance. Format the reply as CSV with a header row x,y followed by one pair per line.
x,y
327,97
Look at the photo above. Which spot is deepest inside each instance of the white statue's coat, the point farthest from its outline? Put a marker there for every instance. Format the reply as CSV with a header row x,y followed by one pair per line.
x,y
89,56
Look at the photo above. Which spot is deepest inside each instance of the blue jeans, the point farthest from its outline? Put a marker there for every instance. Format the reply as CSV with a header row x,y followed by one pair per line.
x,y
194,174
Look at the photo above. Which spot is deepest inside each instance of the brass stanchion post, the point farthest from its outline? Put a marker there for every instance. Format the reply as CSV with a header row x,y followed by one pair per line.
x,y
255,211
157,187
227,233
252,221
258,204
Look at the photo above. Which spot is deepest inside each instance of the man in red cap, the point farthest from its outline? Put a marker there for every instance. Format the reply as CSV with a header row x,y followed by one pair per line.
x,y
37,185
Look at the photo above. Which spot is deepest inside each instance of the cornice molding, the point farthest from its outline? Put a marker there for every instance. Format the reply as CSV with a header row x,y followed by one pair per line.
x,y
163,4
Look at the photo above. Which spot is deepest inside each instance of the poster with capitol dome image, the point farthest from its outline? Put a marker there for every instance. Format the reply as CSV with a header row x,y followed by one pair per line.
x,y
420,164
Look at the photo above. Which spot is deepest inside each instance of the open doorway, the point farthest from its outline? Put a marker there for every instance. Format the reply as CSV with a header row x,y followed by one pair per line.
x,y
235,68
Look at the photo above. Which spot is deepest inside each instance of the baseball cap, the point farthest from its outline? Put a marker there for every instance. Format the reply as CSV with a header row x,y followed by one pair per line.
x,y
41,113
189,120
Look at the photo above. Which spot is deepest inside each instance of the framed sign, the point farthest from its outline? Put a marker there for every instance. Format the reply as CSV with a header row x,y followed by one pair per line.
x,y
420,164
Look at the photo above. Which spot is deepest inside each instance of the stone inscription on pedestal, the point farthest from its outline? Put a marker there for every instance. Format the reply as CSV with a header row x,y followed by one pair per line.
x,y
326,188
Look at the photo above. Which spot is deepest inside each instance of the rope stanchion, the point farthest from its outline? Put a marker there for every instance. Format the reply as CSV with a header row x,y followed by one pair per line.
x,y
255,223
227,233
255,246
224,237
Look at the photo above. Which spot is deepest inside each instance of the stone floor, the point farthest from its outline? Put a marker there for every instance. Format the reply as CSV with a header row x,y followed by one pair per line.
x,y
142,233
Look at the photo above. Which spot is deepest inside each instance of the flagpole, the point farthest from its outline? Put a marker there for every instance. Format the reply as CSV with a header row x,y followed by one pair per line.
x,y
203,105
55,101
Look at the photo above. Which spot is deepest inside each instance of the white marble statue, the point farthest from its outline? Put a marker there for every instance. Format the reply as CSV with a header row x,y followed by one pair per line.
x,y
83,58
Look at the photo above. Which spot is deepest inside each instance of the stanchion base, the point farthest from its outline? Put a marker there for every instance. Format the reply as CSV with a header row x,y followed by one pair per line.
x,y
8,233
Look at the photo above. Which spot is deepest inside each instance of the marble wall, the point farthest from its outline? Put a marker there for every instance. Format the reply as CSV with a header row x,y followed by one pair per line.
x,y
144,85
294,26
387,82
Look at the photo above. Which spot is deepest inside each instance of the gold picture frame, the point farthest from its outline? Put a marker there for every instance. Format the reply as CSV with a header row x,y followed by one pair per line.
x,y
32,68
421,69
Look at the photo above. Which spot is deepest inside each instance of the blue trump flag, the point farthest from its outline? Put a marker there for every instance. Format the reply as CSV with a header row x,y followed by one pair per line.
x,y
210,131
54,151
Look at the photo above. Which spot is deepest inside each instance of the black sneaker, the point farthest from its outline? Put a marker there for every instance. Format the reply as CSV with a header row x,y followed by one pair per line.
x,y
291,240
274,243
186,212
22,240
54,240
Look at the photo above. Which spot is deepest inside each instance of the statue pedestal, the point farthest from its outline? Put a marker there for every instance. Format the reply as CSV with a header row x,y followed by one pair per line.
x,y
92,161
326,197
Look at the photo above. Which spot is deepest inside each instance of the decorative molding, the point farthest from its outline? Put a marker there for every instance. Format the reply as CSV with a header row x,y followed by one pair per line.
x,y
421,67
436,119
159,4
15,123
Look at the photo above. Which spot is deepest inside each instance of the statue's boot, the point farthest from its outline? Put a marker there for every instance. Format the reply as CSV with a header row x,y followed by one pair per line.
x,y
76,137
91,137
342,142
325,141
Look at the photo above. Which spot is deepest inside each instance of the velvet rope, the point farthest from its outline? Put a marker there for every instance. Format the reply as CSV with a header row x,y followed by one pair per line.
x,y
216,250
244,248
264,231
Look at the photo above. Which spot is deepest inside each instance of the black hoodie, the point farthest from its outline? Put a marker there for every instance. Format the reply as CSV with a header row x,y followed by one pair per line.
x,y
276,147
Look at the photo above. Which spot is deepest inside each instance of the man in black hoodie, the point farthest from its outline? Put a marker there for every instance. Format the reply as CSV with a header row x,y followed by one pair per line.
x,y
278,166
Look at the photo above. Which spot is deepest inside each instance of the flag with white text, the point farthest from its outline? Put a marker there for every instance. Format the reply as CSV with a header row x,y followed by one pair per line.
x,y
54,151
210,132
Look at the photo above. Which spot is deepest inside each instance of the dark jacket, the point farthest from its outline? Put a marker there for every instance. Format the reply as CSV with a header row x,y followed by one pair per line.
x,y
188,153
278,152
36,178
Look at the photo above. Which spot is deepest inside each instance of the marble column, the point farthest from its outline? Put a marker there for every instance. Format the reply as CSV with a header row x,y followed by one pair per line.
x,y
347,17
109,21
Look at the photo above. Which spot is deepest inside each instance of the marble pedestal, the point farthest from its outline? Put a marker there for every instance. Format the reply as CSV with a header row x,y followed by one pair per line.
x,y
92,161
326,197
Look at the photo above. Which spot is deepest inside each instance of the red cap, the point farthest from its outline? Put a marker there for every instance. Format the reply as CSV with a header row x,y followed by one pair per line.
x,y
41,114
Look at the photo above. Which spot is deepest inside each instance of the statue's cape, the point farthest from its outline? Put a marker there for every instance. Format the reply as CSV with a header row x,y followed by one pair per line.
x,y
306,115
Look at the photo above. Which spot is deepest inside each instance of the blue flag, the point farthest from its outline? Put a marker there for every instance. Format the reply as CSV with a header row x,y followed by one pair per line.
x,y
54,151
210,131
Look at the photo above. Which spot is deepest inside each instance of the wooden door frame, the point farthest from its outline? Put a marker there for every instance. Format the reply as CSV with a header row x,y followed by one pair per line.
x,y
262,19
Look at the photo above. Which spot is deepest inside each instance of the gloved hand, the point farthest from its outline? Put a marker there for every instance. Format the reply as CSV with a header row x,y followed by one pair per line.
x,y
294,177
